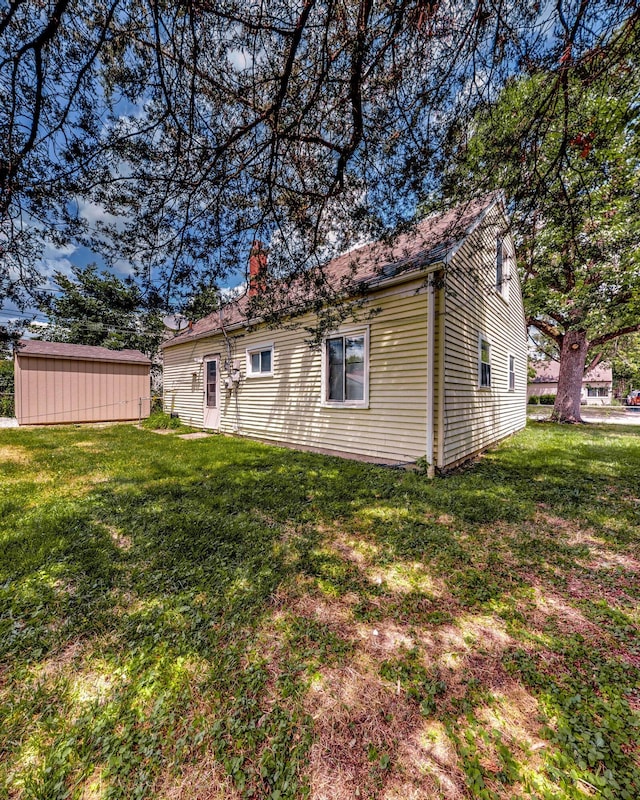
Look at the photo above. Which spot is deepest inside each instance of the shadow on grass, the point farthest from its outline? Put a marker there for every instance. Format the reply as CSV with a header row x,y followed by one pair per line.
x,y
166,576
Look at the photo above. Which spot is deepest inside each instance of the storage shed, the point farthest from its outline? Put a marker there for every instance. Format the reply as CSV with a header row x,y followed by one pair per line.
x,y
58,383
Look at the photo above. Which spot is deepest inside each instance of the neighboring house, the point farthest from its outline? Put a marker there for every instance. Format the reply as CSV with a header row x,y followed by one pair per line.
x,y
59,383
439,370
596,385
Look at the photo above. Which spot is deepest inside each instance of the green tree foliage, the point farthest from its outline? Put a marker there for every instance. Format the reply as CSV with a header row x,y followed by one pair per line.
x,y
624,356
195,127
204,300
6,387
97,308
569,163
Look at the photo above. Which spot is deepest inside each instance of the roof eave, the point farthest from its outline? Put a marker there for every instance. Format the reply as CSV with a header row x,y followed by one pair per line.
x,y
499,198
146,363
372,285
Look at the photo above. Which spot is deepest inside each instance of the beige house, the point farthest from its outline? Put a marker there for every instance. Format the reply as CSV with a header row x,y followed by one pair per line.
x,y
434,365
597,384
58,383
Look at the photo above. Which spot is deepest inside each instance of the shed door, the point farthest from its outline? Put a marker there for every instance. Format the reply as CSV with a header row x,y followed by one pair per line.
x,y
212,392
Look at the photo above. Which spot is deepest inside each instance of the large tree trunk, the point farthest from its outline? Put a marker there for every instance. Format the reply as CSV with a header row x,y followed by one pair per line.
x,y
573,356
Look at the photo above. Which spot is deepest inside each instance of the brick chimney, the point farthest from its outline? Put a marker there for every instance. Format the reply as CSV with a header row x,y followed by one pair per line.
x,y
257,268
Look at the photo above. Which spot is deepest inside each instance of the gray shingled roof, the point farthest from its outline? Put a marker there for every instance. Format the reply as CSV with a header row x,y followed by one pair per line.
x,y
428,243
84,352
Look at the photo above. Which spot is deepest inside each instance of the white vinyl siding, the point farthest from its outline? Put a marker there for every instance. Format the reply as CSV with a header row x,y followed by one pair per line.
x,y
502,267
474,417
289,408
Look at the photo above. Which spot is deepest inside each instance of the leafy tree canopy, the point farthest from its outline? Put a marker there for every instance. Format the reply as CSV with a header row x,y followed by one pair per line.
x,y
191,128
624,356
570,163
97,308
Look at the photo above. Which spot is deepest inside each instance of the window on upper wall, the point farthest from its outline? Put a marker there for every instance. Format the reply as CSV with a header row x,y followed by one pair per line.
x,y
502,260
346,369
260,361
484,363
512,373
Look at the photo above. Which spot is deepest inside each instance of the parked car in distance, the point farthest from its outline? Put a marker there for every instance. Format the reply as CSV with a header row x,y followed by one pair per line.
x,y
633,398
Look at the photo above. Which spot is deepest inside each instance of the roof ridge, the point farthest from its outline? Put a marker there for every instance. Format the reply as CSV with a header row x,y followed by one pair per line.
x,y
432,236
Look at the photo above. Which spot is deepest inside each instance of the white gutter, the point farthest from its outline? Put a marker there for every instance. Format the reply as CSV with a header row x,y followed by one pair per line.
x,y
373,285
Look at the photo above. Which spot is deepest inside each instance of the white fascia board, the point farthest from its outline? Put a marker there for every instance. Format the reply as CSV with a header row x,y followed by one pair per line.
x,y
498,199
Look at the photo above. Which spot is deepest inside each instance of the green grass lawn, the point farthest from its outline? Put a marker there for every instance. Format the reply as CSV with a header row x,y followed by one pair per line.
x,y
215,618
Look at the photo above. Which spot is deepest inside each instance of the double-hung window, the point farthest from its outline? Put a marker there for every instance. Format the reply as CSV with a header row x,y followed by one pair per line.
x,y
346,369
260,361
484,363
499,264
502,260
512,373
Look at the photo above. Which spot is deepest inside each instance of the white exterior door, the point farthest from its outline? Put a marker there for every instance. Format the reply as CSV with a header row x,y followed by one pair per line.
x,y
212,392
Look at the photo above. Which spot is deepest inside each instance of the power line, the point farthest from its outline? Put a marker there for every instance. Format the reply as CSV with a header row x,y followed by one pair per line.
x,y
89,326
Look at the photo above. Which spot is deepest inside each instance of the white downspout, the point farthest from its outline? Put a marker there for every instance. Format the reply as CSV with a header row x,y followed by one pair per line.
x,y
430,374
442,311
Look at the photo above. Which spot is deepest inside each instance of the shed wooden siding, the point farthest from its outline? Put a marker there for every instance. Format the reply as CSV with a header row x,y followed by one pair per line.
x,y
474,418
61,390
287,407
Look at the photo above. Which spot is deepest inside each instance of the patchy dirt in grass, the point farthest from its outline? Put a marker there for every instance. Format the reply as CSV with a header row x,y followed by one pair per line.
x,y
619,595
335,613
62,660
555,610
15,454
359,724
428,766
557,524
90,445
202,780
384,639
119,538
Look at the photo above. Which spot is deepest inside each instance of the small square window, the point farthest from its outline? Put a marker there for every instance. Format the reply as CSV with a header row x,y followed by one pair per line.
x,y
260,361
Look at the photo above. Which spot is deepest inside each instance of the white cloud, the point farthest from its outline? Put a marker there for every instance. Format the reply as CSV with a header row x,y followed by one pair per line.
x,y
52,251
94,213
240,60
51,265
228,293
123,267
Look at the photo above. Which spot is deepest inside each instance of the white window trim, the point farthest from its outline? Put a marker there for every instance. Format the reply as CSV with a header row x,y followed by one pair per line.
x,y
503,290
509,357
482,337
346,331
258,348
